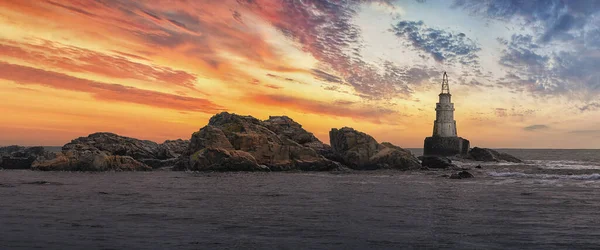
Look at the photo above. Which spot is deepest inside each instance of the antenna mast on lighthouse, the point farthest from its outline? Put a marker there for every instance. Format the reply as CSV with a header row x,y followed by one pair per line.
x,y
445,87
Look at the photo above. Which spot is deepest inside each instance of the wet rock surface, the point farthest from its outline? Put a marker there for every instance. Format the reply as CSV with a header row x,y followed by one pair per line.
x,y
437,162
461,175
490,155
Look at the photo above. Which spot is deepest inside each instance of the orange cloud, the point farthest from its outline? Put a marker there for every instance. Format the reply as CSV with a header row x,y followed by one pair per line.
x,y
104,91
74,59
377,115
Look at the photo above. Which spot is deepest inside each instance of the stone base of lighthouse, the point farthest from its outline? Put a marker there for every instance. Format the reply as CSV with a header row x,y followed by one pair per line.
x,y
445,146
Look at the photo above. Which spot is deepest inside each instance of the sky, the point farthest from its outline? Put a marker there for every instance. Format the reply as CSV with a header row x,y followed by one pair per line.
x,y
522,74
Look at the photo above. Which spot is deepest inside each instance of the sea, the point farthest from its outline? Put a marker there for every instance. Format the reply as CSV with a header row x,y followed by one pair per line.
x,y
552,201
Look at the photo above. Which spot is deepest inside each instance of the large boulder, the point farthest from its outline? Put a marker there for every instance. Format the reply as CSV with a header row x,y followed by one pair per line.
x,y
486,154
393,158
358,150
17,157
461,175
220,159
354,147
278,143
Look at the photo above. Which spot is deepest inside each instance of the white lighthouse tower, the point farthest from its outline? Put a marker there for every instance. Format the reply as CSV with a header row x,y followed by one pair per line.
x,y
445,141
444,124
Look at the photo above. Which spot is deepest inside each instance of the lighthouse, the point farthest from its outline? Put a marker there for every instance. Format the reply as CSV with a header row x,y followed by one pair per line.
x,y
444,124
445,141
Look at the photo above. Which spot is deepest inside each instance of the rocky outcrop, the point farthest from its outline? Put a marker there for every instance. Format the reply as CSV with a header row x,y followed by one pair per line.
x,y
436,162
358,150
486,154
232,142
243,143
108,151
85,158
17,157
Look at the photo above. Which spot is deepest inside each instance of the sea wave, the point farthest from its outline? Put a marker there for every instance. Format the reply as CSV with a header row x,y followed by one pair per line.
x,y
594,176
565,164
545,164
480,163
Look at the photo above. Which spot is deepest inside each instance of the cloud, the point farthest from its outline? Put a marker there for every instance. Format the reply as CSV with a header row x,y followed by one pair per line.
x,y
326,30
531,67
272,86
286,79
585,131
343,102
194,35
441,45
556,51
103,91
500,112
554,19
371,114
536,127
521,51
203,37
590,107
74,59
324,76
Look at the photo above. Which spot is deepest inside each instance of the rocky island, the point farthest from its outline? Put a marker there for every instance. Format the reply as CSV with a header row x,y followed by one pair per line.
x,y
231,142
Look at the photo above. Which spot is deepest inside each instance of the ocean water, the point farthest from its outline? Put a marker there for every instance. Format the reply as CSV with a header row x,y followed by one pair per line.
x,y
549,202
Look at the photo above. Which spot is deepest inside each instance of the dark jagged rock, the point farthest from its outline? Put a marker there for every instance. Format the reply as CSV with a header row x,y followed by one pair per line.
x,y
486,154
436,162
461,175
286,127
167,154
116,145
358,150
171,149
278,143
17,157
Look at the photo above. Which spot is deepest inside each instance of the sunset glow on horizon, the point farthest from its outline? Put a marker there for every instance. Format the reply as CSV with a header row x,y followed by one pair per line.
x,y
521,76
